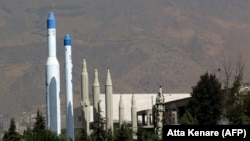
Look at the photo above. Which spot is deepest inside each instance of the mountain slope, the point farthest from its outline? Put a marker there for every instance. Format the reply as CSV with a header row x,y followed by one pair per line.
x,y
144,43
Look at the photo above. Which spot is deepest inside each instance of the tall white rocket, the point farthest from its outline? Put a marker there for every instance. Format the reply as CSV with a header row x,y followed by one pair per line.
x,y
85,97
121,111
69,89
134,118
96,95
109,102
52,79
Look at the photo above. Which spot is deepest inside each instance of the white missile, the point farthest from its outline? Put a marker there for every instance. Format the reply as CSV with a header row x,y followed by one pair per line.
x,y
69,89
109,102
52,79
96,95
85,97
121,111
134,118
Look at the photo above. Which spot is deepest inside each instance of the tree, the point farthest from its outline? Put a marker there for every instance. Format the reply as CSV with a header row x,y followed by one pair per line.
x,y
155,138
98,126
109,135
39,123
39,131
246,102
245,119
235,108
123,133
188,119
27,131
143,135
82,135
12,134
234,102
43,135
227,68
206,101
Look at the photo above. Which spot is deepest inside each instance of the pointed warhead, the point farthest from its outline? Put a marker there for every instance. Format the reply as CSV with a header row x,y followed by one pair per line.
x,y
96,81
84,66
133,100
51,21
67,40
160,98
160,91
108,79
121,105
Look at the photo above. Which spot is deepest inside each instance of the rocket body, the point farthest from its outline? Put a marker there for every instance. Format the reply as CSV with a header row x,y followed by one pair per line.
x,y
85,97
52,79
96,95
121,111
134,118
109,102
69,89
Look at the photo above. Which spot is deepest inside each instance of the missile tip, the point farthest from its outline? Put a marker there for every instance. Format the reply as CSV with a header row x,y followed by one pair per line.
x,y
67,40
51,15
51,21
96,69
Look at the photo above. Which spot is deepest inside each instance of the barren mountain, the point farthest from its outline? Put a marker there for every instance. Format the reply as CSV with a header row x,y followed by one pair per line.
x,y
145,44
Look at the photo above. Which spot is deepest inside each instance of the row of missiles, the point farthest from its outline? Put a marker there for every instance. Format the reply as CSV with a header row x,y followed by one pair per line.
x,y
53,90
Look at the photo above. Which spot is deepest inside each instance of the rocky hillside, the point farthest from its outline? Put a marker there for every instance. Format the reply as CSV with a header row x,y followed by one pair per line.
x,y
145,44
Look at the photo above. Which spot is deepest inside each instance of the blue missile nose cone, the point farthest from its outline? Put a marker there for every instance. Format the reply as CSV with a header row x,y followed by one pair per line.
x,y
67,40
51,21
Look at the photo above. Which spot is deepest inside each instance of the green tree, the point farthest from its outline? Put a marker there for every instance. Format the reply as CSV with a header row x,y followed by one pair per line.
x,y
39,131
143,135
206,101
238,108
28,130
235,109
236,103
188,119
109,135
43,135
98,126
245,119
82,136
246,104
123,133
155,138
39,123
12,134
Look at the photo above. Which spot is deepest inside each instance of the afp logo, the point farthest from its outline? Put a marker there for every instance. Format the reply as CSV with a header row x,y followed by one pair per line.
x,y
234,133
